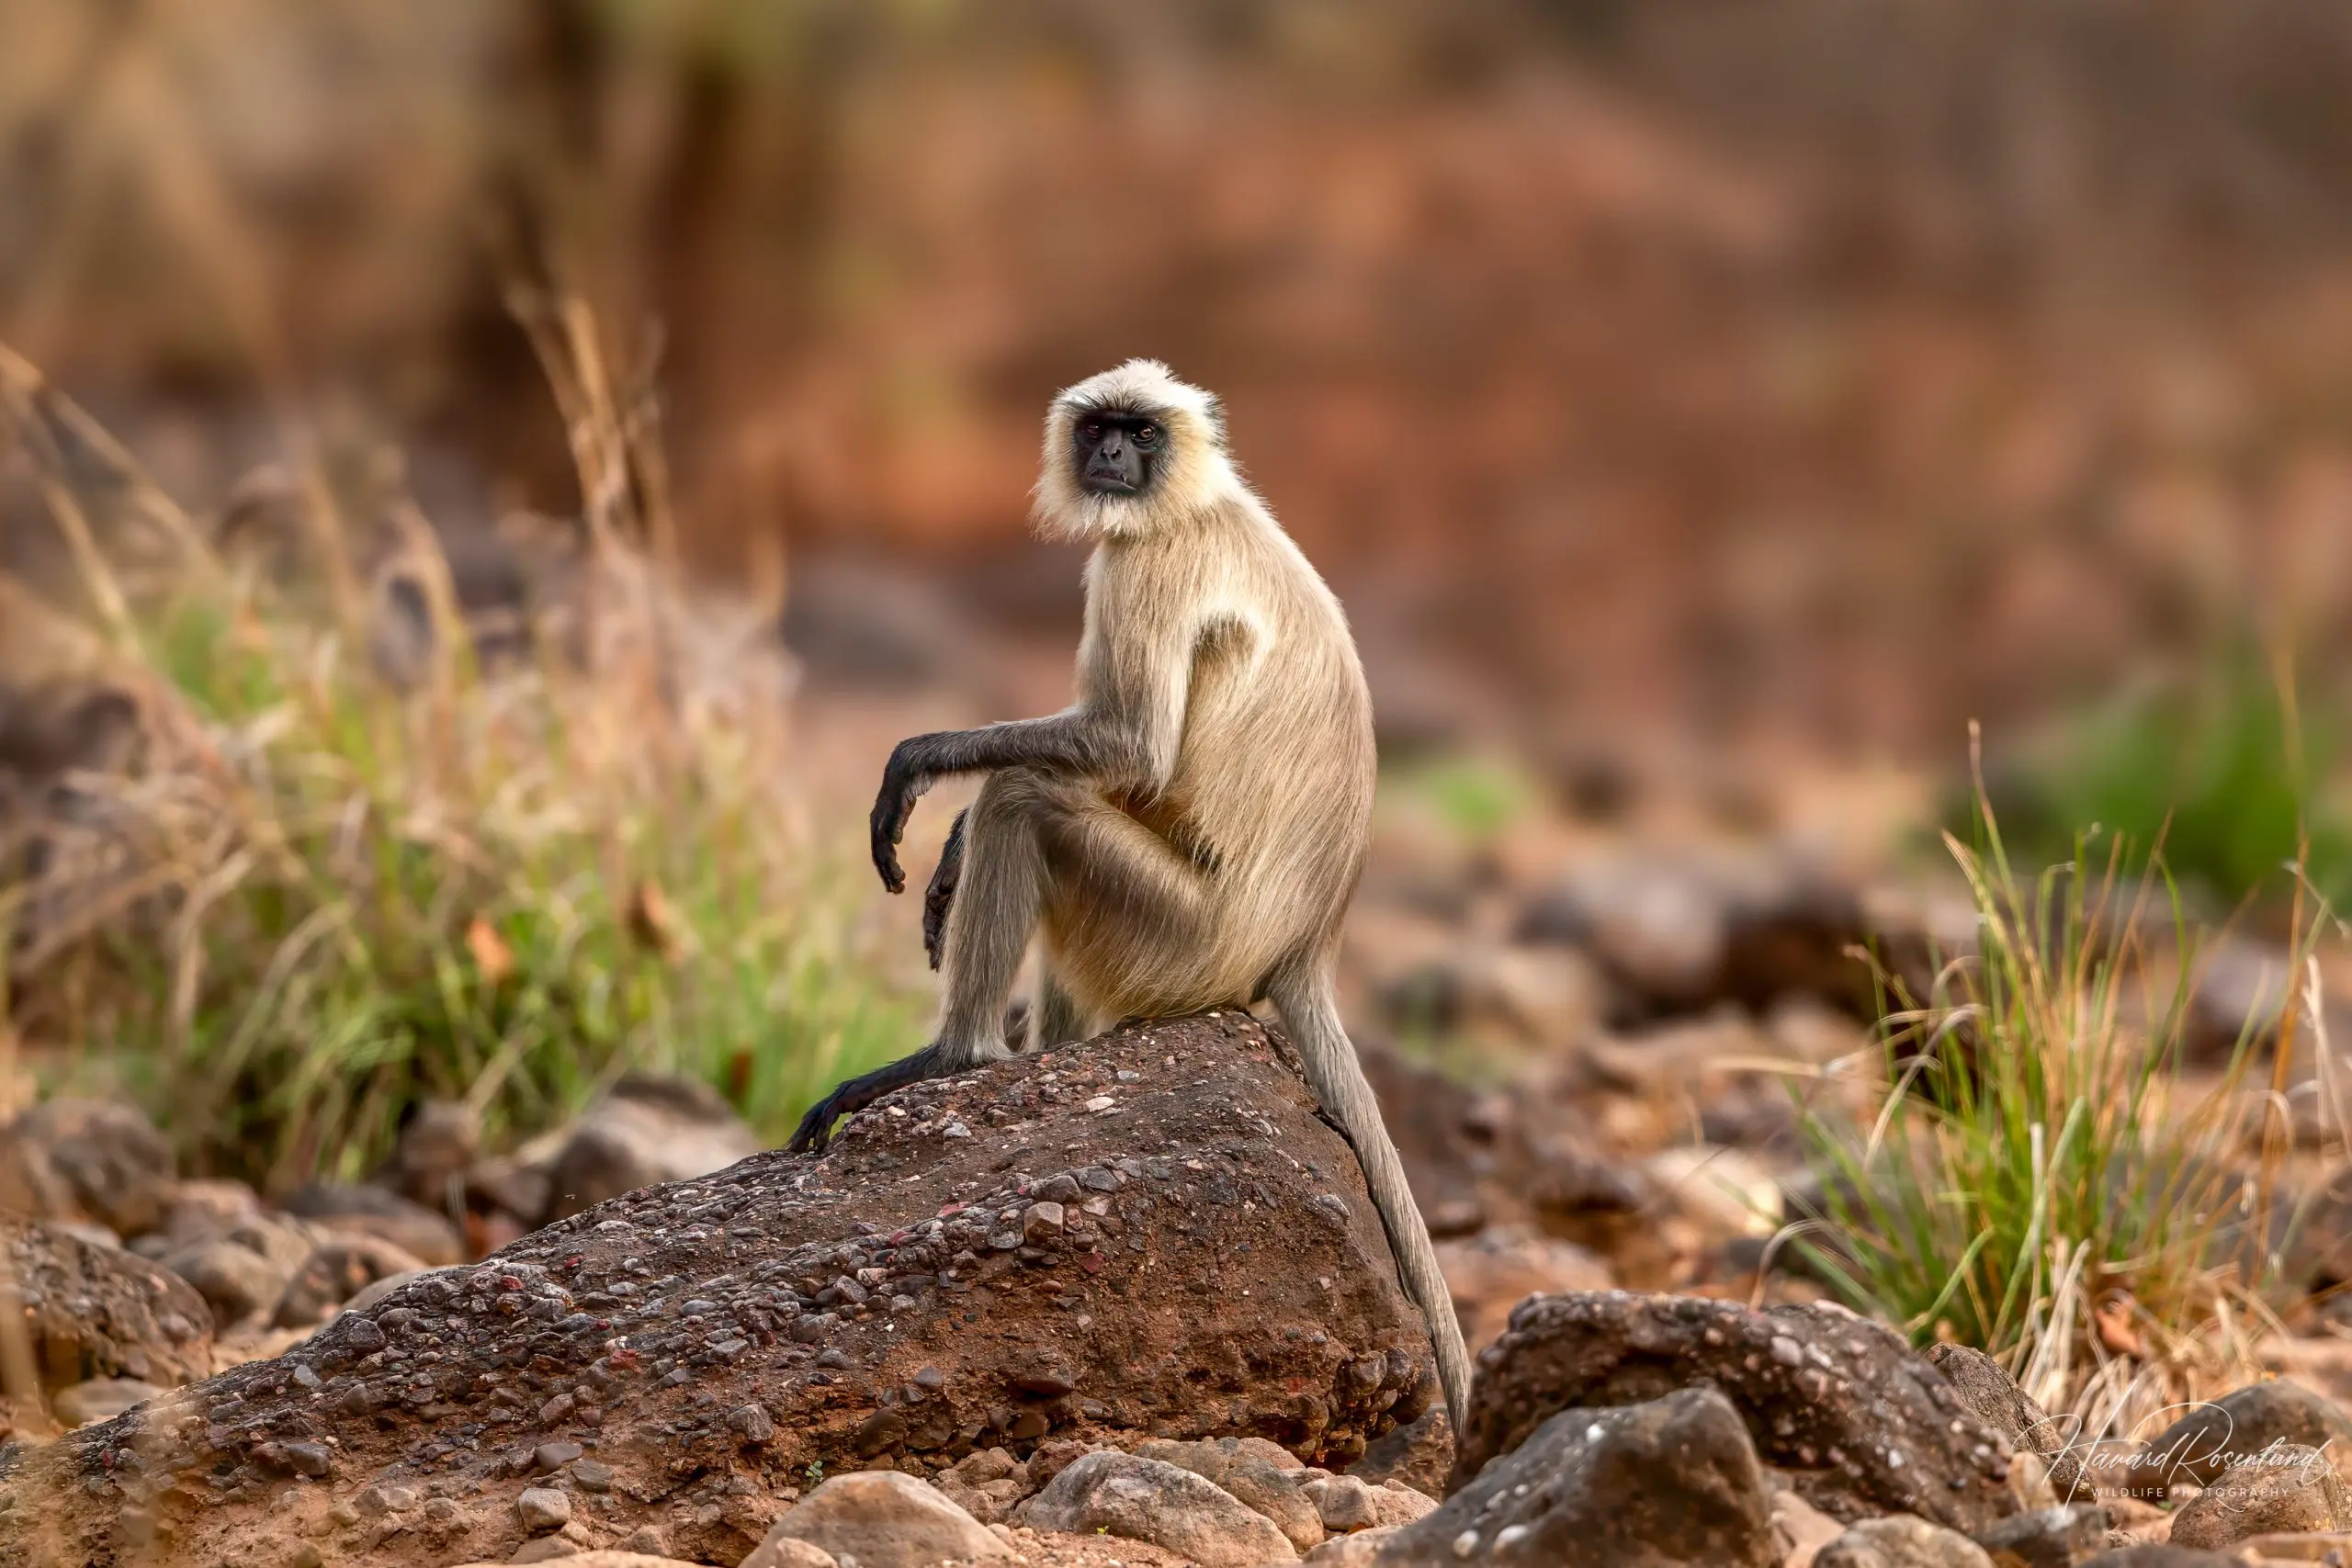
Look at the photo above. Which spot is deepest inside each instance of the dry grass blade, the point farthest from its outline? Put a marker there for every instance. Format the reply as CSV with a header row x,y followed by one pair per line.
x,y
323,894
2042,1181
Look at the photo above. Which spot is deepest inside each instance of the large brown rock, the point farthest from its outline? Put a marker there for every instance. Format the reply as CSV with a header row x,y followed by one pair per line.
x,y
421,1233
2284,1487
1152,1234
1671,1483
889,1520
2239,1426
88,1160
99,1312
646,1130
1862,1424
1988,1390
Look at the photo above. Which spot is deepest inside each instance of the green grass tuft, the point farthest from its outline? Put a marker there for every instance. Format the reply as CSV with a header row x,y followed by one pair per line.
x,y
325,894
2043,1180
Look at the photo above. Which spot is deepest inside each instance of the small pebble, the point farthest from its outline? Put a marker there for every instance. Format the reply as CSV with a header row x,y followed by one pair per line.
x,y
543,1508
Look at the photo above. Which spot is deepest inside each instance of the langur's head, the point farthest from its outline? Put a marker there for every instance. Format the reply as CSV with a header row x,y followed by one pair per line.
x,y
1128,451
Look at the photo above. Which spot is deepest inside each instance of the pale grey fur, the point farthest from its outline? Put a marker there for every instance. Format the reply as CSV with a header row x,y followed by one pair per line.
x,y
1188,835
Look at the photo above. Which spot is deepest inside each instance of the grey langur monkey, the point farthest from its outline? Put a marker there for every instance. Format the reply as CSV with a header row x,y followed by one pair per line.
x,y
1188,834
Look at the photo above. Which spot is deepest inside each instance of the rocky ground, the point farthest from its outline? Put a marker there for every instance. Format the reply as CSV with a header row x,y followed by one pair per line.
x,y
1123,1302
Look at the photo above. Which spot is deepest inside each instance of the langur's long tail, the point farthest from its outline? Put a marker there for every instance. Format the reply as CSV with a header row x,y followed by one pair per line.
x,y
1312,1016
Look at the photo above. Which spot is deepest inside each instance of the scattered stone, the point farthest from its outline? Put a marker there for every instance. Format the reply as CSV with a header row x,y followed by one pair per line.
x,y
313,1459
1144,1499
1344,1504
575,1558
2047,1537
884,1519
1865,1425
1901,1541
337,1271
437,1142
2231,1430
100,1399
549,1457
2332,1550
194,1210
99,1312
1267,1483
1361,1550
2283,1488
374,1502
1671,1483
1418,1454
1347,1504
86,1160
1995,1397
783,1551
243,1269
1803,1529
545,1549
646,1130
543,1508
416,1231
2159,1556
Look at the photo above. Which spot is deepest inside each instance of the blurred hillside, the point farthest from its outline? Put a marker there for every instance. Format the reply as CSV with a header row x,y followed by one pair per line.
x,y
1808,371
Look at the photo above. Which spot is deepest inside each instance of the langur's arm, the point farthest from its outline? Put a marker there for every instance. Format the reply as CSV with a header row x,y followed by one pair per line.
x,y
1123,734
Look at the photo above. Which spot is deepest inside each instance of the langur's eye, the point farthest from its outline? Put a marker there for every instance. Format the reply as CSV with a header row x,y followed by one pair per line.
x,y
1092,431
1147,435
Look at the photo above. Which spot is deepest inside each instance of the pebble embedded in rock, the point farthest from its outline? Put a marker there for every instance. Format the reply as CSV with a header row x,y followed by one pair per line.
x,y
1265,1478
1146,1500
783,1551
2047,1537
309,1459
1673,1482
1805,1380
1901,1541
2287,1488
543,1508
2247,1420
884,1519
374,1502
100,1399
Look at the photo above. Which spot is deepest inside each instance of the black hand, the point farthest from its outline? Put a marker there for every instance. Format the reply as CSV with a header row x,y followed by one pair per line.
x,y
903,782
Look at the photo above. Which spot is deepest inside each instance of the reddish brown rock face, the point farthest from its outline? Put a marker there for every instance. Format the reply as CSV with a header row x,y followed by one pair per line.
x,y
1861,1425
1150,1235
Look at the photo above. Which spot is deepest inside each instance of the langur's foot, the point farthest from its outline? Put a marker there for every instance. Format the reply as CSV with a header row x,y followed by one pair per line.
x,y
940,895
855,1094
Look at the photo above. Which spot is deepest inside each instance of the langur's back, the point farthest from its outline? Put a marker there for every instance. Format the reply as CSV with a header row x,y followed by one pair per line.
x,y
1278,762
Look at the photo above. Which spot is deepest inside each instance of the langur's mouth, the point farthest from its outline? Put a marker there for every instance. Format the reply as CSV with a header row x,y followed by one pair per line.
x,y
1098,478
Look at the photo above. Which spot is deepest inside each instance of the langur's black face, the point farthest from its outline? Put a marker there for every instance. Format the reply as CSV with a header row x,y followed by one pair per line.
x,y
1115,452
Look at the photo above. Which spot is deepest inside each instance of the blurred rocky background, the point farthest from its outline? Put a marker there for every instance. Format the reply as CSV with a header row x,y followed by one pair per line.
x,y
484,484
